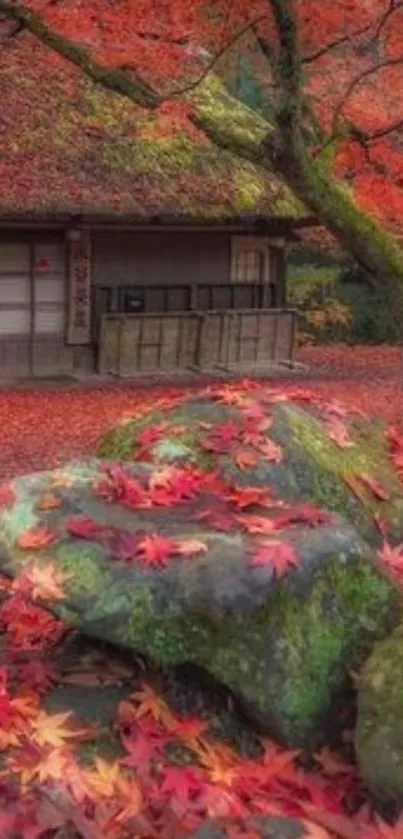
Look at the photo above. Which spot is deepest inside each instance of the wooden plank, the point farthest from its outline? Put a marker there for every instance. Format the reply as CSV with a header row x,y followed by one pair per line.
x,y
108,359
178,341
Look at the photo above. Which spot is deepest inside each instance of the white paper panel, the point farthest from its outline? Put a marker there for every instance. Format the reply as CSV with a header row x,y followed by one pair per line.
x,y
14,257
14,322
49,290
14,290
51,321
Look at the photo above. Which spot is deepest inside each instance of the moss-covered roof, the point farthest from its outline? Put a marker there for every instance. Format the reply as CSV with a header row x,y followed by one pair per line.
x,y
69,147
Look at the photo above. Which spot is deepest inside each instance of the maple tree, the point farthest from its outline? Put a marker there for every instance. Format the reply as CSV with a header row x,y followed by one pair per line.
x,y
330,79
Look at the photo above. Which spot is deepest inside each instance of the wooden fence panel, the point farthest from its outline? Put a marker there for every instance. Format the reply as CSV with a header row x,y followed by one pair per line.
x,y
109,344
131,344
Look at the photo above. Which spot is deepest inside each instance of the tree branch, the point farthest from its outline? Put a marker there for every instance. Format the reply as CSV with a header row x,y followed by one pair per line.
x,y
370,71
338,42
174,94
388,129
133,87
393,6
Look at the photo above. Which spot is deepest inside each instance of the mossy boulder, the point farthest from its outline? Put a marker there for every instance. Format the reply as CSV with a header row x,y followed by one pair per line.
x,y
379,735
166,562
326,454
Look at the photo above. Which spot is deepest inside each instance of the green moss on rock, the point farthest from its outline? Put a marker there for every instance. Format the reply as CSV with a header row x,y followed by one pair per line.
x,y
288,659
379,732
316,468
87,577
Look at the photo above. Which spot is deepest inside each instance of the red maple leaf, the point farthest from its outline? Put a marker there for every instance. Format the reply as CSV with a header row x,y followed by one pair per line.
x,y
143,742
303,514
37,674
280,556
392,557
243,497
154,550
173,484
180,786
222,438
151,434
83,527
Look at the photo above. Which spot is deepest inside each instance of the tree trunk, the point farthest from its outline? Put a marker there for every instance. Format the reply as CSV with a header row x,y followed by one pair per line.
x,y
333,203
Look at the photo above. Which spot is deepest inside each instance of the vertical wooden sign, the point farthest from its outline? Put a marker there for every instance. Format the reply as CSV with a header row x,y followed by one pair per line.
x,y
79,290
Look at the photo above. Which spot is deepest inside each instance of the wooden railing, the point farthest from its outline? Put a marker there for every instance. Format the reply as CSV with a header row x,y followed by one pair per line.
x,y
131,344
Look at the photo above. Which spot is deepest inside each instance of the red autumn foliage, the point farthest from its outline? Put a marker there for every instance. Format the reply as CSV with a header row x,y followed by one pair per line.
x,y
359,45
34,434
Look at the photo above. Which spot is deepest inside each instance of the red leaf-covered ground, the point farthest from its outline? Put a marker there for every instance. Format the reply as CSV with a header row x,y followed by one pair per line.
x,y
44,425
47,789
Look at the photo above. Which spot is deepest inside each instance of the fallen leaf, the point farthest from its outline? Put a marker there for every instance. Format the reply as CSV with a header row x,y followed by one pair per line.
x,y
48,501
149,702
36,538
43,582
154,550
245,459
51,729
280,556
82,527
392,557
242,497
191,547
103,777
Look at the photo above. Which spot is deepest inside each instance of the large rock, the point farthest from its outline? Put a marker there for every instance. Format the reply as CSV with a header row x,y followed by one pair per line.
x,y
284,643
304,447
379,735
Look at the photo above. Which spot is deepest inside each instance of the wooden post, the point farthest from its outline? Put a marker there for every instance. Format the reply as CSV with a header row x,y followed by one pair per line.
x,y
32,310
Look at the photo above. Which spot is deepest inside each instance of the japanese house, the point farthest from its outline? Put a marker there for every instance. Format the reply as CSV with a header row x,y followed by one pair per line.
x,y
124,250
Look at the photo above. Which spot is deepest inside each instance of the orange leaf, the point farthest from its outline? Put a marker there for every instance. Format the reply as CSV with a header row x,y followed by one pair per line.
x,y
191,547
130,791
36,538
221,763
151,703
48,501
50,730
102,779
245,459
44,582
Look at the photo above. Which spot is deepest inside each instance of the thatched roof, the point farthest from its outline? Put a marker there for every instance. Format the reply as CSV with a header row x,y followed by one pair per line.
x,y
69,147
